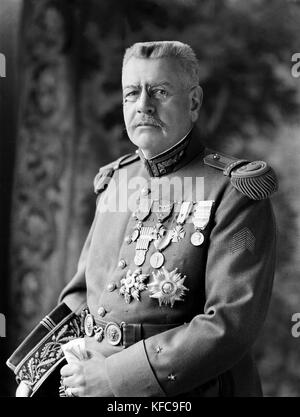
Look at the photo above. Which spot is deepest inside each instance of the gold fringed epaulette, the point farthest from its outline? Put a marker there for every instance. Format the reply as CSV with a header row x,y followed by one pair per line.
x,y
257,180
105,173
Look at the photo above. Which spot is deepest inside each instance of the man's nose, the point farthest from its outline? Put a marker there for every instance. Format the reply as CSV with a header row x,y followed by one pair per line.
x,y
145,104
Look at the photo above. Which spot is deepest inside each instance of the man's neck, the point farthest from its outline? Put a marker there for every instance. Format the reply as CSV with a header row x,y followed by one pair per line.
x,y
175,157
148,154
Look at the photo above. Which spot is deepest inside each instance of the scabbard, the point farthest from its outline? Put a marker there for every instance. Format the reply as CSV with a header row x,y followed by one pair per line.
x,y
36,360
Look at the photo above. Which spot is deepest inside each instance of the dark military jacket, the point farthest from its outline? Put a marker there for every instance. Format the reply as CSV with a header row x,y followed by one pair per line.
x,y
193,319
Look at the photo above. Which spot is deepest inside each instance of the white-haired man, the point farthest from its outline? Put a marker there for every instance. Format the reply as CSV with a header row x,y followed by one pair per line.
x,y
175,286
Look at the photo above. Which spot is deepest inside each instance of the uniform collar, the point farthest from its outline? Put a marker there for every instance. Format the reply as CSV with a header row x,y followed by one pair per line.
x,y
175,157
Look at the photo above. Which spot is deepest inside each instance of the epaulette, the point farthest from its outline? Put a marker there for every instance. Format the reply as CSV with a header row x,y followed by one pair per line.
x,y
105,173
36,360
257,180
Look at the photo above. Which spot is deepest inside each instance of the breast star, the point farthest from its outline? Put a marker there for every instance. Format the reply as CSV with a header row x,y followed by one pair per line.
x,y
167,286
133,284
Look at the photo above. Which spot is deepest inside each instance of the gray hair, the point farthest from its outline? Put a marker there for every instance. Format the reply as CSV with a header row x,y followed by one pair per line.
x,y
182,52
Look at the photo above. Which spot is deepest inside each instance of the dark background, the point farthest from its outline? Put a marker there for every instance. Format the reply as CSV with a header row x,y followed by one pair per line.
x,y
61,119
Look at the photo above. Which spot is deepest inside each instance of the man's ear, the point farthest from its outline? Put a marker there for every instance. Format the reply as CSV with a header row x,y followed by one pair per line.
x,y
196,97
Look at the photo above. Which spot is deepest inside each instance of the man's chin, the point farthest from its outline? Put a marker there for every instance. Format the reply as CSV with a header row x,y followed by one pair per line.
x,y
147,140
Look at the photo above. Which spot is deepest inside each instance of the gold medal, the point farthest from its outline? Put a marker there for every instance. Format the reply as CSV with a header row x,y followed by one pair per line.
x,y
157,260
197,238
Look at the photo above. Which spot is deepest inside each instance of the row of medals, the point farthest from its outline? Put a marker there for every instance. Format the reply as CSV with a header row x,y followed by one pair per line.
x,y
172,289
163,237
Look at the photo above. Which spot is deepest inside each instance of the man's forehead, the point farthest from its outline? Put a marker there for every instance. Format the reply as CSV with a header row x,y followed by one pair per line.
x,y
151,70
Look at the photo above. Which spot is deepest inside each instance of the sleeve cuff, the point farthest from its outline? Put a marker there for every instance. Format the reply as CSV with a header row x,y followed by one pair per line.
x,y
130,374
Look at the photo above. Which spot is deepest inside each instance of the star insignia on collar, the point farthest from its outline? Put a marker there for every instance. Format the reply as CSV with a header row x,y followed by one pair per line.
x,y
167,286
158,349
133,284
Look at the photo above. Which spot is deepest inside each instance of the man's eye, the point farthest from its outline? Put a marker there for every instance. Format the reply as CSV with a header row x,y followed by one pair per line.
x,y
160,93
131,95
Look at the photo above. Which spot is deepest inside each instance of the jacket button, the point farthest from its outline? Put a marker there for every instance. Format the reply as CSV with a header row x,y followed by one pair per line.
x,y
101,311
112,286
122,263
128,240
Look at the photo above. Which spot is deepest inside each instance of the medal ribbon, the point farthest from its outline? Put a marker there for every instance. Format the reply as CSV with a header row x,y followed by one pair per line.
x,y
144,208
184,212
202,213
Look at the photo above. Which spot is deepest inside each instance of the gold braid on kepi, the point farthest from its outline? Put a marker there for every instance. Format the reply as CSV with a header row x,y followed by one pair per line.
x,y
257,180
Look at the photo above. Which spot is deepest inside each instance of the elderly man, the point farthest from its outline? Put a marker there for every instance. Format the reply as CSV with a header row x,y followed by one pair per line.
x,y
175,277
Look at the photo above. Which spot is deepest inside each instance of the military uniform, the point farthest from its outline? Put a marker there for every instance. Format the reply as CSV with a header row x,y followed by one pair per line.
x,y
177,290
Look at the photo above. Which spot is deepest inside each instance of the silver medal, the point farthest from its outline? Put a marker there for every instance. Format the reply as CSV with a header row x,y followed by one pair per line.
x,y
140,256
89,325
157,260
197,238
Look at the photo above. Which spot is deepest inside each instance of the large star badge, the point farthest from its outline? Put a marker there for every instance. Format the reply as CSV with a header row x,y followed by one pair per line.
x,y
133,284
167,286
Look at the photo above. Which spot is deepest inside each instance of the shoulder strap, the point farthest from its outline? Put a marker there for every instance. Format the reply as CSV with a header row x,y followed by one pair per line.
x,y
257,180
105,173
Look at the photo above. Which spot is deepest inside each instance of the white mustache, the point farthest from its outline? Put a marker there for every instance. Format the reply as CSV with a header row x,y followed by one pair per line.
x,y
149,121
